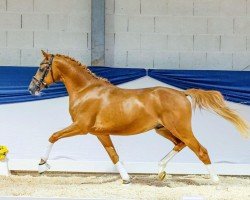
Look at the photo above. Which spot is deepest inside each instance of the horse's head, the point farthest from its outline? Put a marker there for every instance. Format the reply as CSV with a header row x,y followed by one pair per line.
x,y
44,75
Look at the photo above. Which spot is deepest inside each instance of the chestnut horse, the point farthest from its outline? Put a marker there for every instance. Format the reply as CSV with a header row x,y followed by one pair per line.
x,y
100,108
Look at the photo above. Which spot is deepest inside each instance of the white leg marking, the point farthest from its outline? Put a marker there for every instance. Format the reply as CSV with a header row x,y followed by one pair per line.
x,y
165,160
212,173
123,172
45,157
44,166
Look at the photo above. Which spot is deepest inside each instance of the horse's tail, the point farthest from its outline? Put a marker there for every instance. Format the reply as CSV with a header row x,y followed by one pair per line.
x,y
214,100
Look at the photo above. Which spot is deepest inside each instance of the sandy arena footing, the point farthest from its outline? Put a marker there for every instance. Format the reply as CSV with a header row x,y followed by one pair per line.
x,y
109,186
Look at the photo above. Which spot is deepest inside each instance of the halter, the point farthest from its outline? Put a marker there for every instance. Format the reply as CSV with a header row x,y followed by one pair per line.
x,y
40,82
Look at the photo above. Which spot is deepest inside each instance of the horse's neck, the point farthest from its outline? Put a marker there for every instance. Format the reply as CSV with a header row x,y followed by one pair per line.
x,y
74,77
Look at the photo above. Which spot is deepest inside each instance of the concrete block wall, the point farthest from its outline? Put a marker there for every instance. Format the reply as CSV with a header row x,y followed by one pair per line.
x,y
58,26
178,34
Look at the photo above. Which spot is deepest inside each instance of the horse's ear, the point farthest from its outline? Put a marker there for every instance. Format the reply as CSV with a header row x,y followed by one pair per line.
x,y
45,54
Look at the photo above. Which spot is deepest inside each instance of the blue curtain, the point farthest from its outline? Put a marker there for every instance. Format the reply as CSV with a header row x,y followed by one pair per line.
x,y
234,85
14,82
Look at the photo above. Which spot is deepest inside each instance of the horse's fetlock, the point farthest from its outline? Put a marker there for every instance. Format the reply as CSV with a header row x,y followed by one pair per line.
x,y
203,154
53,138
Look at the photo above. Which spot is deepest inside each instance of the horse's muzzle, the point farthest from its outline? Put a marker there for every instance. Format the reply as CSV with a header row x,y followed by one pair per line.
x,y
33,89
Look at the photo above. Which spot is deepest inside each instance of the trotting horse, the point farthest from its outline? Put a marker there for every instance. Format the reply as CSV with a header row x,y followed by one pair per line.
x,y
102,109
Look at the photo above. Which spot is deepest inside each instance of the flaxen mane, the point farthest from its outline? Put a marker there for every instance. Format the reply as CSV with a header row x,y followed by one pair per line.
x,y
84,66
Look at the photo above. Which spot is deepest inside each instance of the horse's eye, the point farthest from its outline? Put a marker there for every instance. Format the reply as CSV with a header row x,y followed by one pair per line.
x,y
41,70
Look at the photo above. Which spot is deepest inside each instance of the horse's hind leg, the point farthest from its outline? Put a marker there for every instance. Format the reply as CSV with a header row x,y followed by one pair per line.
x,y
184,133
179,145
202,154
109,147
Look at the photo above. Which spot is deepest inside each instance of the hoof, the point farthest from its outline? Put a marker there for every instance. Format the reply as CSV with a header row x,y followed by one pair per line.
x,y
162,175
126,182
43,168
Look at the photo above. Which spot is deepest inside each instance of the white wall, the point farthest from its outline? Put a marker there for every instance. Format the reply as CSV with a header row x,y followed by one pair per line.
x,y
59,26
178,34
26,127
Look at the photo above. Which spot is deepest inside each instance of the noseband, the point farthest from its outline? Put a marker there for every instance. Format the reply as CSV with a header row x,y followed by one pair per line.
x,y
40,82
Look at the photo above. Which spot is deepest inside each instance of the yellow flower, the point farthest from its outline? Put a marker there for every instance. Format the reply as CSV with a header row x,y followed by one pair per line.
x,y
3,152
2,157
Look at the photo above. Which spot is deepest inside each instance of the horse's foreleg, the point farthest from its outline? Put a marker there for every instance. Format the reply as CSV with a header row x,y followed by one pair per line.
x,y
109,147
67,132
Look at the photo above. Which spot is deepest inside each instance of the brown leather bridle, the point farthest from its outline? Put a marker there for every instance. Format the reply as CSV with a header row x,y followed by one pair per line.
x,y
48,68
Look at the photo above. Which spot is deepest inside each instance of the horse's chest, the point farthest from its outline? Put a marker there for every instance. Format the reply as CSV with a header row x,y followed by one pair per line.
x,y
80,110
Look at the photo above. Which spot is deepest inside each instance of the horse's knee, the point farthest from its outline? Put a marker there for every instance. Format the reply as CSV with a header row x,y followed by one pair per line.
x,y
53,138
